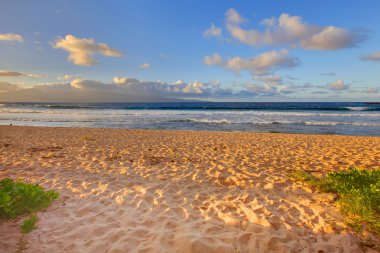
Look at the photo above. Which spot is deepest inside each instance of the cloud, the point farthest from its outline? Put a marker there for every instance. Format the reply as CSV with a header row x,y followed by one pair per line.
x,y
8,87
272,80
375,56
233,17
262,64
274,85
11,37
127,89
66,77
332,38
156,88
371,90
213,31
144,66
292,30
338,85
262,90
81,50
8,73
123,89
328,74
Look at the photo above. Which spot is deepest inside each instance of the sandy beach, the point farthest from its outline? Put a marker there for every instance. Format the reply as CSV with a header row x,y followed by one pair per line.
x,y
180,191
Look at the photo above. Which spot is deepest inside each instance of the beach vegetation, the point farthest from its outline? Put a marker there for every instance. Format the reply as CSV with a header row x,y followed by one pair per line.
x,y
18,198
29,224
303,176
358,192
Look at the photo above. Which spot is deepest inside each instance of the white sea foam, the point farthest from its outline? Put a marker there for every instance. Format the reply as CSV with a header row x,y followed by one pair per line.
x,y
358,108
354,121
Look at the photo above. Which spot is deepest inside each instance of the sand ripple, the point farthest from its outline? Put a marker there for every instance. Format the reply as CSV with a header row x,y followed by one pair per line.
x,y
178,191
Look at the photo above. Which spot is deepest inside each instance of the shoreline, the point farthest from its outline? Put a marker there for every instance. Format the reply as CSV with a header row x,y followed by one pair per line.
x,y
190,130
125,190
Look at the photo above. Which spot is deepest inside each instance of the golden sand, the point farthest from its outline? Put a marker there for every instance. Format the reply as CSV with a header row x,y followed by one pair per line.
x,y
180,191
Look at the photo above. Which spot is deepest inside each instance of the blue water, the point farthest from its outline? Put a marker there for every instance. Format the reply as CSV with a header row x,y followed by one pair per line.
x,y
315,118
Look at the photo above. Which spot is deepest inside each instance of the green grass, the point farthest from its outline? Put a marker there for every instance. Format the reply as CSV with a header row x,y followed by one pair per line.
x,y
358,195
29,224
303,176
18,198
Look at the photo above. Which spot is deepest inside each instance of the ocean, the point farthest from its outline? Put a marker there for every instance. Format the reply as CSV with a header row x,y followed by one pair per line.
x,y
311,118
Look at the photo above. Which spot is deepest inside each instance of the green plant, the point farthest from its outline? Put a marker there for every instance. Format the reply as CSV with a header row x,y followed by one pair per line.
x,y
29,224
17,198
302,176
358,195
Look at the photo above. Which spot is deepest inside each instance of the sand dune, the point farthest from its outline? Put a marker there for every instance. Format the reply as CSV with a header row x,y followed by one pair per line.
x,y
179,191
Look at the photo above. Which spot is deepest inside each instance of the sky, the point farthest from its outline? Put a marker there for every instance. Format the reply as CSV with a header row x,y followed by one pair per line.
x,y
217,50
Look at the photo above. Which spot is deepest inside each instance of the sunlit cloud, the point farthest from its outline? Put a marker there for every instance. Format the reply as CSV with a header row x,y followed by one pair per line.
x,y
8,87
163,89
372,90
293,31
11,37
375,56
233,17
262,64
123,89
127,89
66,77
213,31
81,50
338,85
144,66
8,73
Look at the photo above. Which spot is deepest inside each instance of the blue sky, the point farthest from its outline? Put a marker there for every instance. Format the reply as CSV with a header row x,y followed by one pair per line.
x,y
318,55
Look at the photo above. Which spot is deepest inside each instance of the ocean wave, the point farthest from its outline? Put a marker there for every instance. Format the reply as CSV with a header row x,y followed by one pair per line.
x,y
335,123
229,115
359,108
276,122
218,106
6,110
217,121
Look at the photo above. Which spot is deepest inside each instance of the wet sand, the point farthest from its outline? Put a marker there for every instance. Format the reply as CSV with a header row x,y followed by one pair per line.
x,y
180,191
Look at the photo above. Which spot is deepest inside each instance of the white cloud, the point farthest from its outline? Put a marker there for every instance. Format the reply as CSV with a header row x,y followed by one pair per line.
x,y
214,59
292,30
331,38
265,90
195,88
81,50
272,80
120,80
262,64
156,88
375,56
371,90
213,31
126,89
11,37
328,74
8,87
77,83
338,85
8,73
144,66
66,77
233,17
